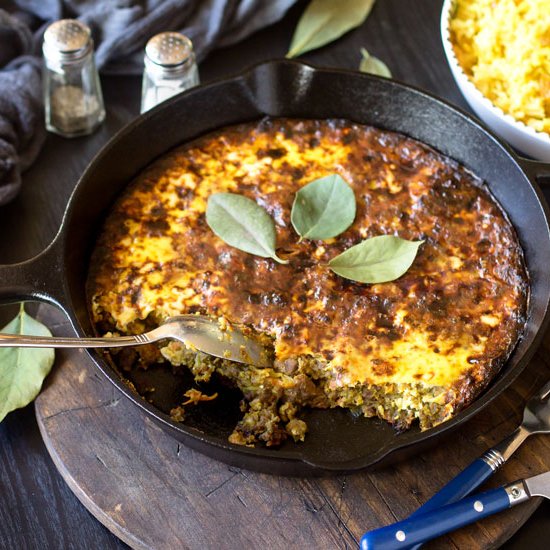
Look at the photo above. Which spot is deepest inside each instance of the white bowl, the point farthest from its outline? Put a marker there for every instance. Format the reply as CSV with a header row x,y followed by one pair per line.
x,y
519,135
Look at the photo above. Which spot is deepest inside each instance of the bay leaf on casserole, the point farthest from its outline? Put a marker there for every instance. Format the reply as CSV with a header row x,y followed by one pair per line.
x,y
323,208
376,260
243,224
23,370
324,21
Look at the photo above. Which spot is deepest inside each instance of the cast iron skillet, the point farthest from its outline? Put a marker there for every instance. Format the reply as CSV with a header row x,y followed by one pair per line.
x,y
337,442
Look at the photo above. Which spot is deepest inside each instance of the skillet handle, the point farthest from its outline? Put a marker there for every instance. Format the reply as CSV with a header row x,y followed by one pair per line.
x,y
41,278
536,170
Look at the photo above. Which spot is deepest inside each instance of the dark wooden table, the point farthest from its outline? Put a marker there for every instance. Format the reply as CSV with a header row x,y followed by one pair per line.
x,y
37,510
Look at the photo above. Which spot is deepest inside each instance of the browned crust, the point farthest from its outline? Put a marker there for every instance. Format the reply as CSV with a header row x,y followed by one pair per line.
x,y
466,292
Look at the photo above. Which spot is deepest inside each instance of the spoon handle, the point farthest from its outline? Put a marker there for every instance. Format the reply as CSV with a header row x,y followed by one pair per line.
x,y
12,340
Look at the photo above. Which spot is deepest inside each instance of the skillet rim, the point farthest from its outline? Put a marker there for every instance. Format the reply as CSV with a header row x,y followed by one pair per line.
x,y
263,458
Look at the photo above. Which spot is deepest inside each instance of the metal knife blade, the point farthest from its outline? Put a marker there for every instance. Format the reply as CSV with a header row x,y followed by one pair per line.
x,y
538,486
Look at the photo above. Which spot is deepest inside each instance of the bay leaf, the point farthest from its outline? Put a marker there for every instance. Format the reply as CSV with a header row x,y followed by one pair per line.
x,y
323,208
373,65
23,370
324,21
243,224
376,260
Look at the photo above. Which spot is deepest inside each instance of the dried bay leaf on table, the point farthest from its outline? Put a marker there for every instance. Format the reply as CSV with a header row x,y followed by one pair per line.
x,y
373,65
324,21
23,370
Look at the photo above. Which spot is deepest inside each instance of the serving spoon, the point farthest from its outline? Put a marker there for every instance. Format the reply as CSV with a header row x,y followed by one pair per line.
x,y
200,333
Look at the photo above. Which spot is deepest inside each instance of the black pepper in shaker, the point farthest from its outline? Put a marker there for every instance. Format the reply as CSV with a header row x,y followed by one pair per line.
x,y
72,91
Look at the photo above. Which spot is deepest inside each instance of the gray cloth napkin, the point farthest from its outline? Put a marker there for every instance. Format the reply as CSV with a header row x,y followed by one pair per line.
x,y
120,29
22,129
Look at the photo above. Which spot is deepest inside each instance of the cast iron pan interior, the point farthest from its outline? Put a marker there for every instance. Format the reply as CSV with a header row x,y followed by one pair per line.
x,y
337,441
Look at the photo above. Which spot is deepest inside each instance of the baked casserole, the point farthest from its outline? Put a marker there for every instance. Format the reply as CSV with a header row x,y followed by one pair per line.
x,y
420,347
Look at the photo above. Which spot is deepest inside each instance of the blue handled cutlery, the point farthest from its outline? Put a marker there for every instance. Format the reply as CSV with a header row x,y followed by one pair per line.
x,y
423,527
438,515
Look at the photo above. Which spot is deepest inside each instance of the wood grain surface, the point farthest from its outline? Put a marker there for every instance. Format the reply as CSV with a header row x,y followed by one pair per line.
x,y
153,492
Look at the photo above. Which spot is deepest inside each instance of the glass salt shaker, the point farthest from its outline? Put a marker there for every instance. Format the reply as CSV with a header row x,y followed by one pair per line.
x,y
170,68
72,91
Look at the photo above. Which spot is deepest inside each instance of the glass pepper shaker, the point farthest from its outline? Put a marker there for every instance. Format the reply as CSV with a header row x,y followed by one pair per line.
x,y
170,68
72,91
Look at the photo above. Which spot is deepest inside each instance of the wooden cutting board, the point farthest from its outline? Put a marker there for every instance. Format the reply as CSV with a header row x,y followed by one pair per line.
x,y
153,492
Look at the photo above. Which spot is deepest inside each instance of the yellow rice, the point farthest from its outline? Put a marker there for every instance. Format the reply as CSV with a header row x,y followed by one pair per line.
x,y
504,48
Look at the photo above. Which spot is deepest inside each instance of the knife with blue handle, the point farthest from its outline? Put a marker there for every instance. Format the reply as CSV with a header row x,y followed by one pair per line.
x,y
464,483
420,528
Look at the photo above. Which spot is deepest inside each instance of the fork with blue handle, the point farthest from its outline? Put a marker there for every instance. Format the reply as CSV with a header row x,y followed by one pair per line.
x,y
439,515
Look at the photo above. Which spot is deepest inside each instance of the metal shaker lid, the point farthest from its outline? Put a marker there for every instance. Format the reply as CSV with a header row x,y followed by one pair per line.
x,y
67,38
169,49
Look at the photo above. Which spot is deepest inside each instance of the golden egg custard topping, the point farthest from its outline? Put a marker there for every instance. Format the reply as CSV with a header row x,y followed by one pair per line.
x,y
422,346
